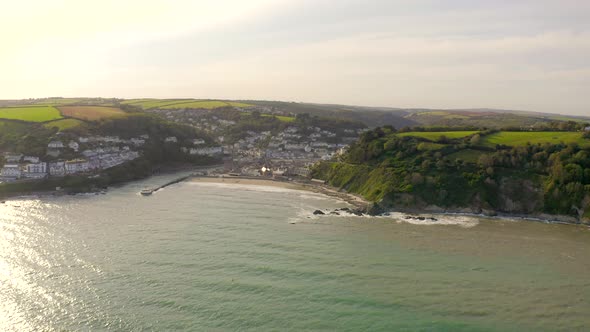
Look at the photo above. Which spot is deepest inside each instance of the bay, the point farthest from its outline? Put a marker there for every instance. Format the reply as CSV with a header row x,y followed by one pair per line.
x,y
227,257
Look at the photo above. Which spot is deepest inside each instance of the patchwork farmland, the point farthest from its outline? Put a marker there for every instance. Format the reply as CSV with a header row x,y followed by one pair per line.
x,y
91,113
147,104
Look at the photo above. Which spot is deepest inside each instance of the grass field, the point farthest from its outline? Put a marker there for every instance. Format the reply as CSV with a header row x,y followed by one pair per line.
x,y
63,124
236,104
30,113
182,103
512,138
154,103
433,136
281,117
58,101
427,146
207,104
443,114
91,113
467,155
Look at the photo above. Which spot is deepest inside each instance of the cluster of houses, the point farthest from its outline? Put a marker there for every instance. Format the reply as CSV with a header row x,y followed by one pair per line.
x,y
293,148
101,152
18,166
201,120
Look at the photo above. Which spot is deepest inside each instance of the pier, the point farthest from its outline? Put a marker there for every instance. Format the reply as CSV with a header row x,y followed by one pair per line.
x,y
147,192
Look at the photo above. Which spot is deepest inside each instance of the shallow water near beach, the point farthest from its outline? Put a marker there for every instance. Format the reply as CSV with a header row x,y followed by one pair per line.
x,y
226,257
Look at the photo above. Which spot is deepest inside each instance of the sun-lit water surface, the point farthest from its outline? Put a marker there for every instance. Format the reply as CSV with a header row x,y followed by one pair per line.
x,y
203,256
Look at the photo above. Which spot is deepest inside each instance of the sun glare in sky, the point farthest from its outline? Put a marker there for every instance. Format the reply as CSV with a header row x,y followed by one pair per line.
x,y
528,55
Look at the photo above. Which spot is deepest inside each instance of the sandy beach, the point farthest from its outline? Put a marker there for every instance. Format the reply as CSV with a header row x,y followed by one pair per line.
x,y
354,200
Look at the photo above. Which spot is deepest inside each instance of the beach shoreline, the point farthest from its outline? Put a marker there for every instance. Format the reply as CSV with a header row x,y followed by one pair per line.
x,y
354,200
363,205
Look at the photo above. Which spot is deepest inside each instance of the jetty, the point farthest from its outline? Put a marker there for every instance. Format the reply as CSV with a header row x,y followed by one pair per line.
x,y
149,191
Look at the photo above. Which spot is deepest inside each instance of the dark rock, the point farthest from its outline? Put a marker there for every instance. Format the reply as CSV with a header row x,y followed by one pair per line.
x,y
335,213
421,218
375,210
345,209
433,219
318,212
357,212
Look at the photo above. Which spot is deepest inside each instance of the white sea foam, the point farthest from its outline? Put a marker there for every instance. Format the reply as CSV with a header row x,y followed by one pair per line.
x,y
429,219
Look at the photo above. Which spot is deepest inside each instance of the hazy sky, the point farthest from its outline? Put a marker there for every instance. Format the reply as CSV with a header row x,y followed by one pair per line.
x,y
530,55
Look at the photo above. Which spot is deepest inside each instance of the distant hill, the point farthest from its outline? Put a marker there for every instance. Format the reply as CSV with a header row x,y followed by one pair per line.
x,y
399,117
371,116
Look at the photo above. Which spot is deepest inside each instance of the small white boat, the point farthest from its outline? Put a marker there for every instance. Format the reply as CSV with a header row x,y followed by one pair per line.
x,y
146,192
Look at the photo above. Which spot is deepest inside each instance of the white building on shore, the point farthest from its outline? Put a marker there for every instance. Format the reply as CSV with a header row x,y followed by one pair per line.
x,y
209,151
57,168
35,170
11,171
76,166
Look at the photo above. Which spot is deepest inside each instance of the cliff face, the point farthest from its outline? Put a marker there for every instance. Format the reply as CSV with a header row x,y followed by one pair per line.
x,y
512,195
520,197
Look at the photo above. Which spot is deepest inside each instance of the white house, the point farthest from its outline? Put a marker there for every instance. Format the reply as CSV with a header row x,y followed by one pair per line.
x,y
53,152
35,170
138,141
171,139
76,166
13,158
57,168
587,128
319,144
210,151
31,159
74,146
198,141
11,171
295,146
55,145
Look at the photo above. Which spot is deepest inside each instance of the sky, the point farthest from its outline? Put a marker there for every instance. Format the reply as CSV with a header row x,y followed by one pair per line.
x,y
510,54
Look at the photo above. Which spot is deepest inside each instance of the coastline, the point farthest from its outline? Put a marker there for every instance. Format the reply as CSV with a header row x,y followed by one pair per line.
x,y
363,205
359,203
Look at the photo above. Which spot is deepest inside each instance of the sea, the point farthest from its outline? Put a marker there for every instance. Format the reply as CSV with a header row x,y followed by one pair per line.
x,y
229,257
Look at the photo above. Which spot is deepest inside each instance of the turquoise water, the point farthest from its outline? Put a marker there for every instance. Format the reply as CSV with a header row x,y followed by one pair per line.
x,y
222,257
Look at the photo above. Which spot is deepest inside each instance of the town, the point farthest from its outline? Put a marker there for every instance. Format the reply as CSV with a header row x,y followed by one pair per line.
x,y
286,150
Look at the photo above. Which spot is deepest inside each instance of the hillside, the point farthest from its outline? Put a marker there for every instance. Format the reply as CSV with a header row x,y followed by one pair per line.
x,y
492,172
411,117
481,118
95,146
